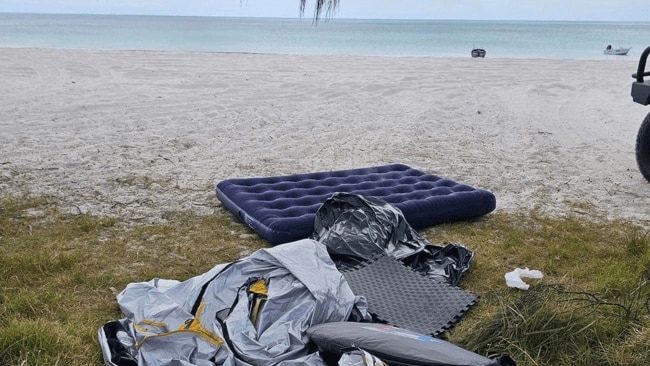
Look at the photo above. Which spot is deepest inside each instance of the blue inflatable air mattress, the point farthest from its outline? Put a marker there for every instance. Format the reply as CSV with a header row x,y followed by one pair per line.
x,y
282,209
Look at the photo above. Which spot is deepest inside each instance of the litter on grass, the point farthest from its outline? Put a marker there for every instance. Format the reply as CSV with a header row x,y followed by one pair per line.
x,y
514,278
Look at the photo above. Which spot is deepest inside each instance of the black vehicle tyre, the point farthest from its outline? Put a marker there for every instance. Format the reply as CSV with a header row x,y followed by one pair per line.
x,y
643,148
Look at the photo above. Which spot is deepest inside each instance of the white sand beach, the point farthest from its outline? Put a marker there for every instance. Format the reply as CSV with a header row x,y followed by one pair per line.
x,y
136,134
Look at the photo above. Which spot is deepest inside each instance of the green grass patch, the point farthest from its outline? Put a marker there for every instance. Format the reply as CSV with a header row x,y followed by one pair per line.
x,y
59,275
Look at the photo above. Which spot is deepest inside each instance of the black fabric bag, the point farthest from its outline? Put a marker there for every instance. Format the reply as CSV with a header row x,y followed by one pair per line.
x,y
357,228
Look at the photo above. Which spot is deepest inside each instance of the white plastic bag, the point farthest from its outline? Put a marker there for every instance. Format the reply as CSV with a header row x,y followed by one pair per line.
x,y
514,278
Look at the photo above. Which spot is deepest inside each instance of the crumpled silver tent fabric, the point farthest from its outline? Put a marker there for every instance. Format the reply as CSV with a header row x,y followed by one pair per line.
x,y
207,320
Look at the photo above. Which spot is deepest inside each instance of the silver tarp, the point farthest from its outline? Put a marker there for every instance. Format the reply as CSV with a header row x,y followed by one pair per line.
x,y
255,311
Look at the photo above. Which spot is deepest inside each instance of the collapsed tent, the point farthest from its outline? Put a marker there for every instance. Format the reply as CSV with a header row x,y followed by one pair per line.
x,y
251,312
259,310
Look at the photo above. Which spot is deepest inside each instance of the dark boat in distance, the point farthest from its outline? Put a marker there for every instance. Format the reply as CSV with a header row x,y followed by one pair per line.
x,y
478,52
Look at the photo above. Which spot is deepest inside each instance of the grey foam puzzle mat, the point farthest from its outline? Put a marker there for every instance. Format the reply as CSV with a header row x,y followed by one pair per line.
x,y
401,297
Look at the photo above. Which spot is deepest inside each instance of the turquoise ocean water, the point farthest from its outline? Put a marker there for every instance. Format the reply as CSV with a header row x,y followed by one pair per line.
x,y
430,38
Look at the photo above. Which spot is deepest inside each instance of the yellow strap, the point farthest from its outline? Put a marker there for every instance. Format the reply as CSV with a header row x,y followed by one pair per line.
x,y
194,327
151,322
256,310
259,287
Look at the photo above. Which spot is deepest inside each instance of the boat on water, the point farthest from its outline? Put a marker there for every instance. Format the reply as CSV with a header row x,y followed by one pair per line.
x,y
621,51
478,52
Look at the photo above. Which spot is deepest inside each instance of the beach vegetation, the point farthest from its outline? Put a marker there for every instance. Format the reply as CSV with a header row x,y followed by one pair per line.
x,y
60,273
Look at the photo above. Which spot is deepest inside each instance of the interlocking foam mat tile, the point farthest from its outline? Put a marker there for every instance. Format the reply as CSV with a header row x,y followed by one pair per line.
x,y
401,297
282,209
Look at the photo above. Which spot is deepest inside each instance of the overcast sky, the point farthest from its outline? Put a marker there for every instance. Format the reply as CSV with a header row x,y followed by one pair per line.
x,y
608,10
